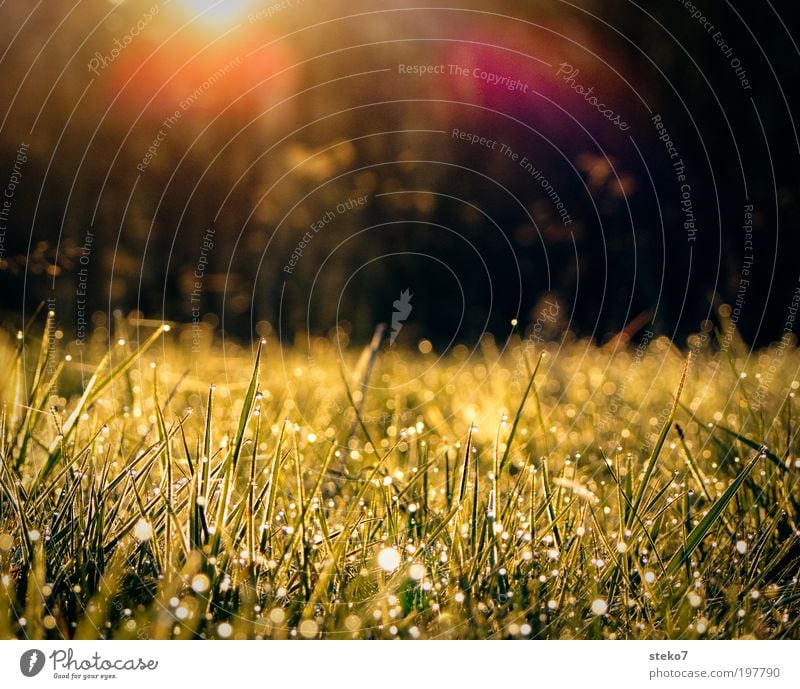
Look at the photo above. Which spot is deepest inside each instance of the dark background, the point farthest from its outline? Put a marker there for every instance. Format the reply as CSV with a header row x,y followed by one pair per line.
x,y
304,120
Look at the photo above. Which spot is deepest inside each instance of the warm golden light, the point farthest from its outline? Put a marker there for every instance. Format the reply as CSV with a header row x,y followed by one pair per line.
x,y
217,11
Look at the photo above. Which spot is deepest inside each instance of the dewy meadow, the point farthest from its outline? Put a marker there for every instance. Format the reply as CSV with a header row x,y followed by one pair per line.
x,y
355,319
147,497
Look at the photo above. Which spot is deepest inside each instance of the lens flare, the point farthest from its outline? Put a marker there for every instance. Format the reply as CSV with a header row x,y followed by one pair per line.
x,y
217,11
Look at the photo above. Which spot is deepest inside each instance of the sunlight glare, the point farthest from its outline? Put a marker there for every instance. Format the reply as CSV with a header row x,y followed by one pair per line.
x,y
217,11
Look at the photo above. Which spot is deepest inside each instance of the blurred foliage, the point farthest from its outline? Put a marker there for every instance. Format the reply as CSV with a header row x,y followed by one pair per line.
x,y
312,112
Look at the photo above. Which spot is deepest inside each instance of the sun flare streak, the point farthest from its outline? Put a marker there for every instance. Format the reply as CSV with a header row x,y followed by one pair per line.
x,y
217,11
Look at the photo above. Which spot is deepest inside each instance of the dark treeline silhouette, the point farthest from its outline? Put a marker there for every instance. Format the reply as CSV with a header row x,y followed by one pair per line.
x,y
295,170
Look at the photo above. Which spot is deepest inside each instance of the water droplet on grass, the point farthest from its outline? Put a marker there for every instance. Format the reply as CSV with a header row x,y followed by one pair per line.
x,y
389,559
308,629
143,531
417,571
200,583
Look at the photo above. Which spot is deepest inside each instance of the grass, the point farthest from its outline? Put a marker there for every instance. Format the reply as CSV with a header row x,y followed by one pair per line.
x,y
146,492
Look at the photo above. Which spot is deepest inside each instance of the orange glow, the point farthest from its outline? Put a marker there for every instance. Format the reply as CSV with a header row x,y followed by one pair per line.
x,y
158,77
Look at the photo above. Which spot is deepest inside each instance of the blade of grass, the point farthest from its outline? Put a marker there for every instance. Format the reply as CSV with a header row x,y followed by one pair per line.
x,y
707,522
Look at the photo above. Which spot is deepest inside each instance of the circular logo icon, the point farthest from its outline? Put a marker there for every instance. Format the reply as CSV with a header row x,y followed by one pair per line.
x,y
31,662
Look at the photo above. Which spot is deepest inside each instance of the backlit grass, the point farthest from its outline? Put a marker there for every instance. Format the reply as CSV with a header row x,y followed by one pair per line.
x,y
565,492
